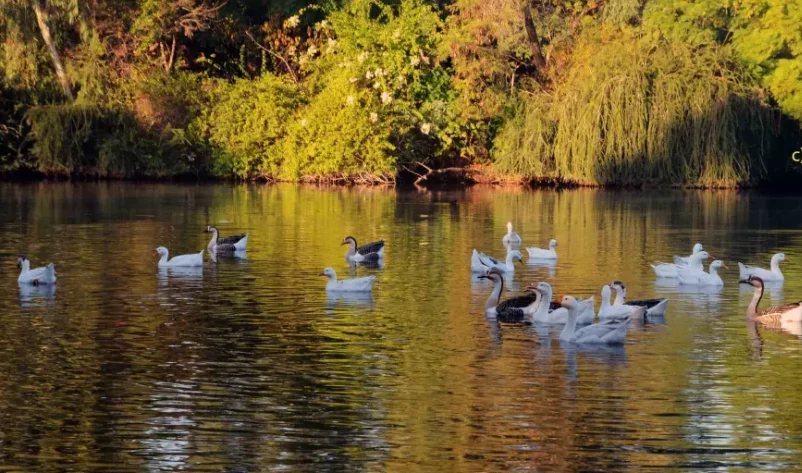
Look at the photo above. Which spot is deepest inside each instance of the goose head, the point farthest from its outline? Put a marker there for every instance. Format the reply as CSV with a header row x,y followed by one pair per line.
x,y
718,264
753,281
702,255
697,248
545,289
492,274
160,251
552,244
210,229
569,302
779,257
349,240
329,273
23,262
516,256
606,292
619,287
509,227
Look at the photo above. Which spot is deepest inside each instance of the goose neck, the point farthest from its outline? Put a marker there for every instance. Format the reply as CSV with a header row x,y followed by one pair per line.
x,y
495,296
570,325
751,311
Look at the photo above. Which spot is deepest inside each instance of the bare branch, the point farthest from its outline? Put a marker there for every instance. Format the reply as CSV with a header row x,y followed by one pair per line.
x,y
275,55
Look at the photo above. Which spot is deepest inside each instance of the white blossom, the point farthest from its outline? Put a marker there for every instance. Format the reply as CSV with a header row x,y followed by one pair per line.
x,y
369,75
376,85
426,128
402,80
349,100
379,72
352,80
304,122
414,60
361,58
374,117
387,97
312,50
330,45
292,22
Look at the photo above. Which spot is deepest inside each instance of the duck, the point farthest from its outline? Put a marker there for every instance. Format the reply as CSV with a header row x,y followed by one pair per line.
x,y
540,253
229,244
696,277
513,309
776,315
655,307
347,285
511,238
685,260
670,270
765,275
609,333
44,275
549,312
178,261
608,311
481,263
370,253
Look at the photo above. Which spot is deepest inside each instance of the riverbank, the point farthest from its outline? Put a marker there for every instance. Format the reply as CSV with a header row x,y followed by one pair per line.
x,y
420,178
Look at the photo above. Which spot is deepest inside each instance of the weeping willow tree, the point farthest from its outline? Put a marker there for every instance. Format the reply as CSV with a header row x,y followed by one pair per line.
x,y
636,110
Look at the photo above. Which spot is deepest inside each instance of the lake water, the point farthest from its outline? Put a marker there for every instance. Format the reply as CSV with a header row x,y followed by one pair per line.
x,y
247,365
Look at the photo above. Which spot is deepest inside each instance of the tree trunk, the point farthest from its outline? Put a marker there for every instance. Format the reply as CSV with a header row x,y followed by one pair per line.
x,y
534,41
41,19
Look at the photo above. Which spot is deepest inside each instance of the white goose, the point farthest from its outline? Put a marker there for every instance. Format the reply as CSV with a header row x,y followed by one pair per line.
x,y
514,309
695,277
540,253
765,275
229,244
617,312
597,334
653,306
36,276
684,260
481,263
178,261
777,315
511,238
347,285
671,270
549,312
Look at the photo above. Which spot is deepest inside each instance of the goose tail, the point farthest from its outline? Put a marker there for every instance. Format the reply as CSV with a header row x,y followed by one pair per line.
x,y
50,273
242,244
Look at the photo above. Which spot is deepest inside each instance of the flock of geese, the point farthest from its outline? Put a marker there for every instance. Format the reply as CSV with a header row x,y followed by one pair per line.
x,y
535,306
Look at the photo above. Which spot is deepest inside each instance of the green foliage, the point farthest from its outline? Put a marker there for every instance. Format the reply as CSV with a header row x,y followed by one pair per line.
x,y
635,110
245,122
625,91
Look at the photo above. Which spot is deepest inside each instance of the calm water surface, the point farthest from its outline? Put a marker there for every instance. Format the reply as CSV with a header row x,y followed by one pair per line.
x,y
246,365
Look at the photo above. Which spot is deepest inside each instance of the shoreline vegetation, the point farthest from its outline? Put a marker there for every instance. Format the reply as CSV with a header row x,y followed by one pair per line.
x,y
610,93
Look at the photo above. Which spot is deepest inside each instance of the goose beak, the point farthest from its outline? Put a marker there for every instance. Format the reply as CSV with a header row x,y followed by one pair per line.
x,y
483,276
787,258
742,281
343,243
155,253
724,266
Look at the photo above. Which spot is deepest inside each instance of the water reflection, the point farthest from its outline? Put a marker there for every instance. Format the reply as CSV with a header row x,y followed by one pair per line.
x,y
247,365
30,295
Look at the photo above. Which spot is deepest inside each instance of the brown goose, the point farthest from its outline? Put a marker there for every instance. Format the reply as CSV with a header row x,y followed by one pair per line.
x,y
372,252
512,310
775,315
228,244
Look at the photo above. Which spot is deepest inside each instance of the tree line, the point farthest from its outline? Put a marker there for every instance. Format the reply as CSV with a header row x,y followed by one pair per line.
x,y
692,93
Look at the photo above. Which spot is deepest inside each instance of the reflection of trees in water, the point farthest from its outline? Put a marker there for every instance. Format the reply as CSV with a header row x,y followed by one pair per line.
x,y
252,366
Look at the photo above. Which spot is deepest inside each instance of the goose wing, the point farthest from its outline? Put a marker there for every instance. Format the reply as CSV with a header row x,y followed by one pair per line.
x,y
774,313
374,247
517,302
648,303
230,240
512,315
488,260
